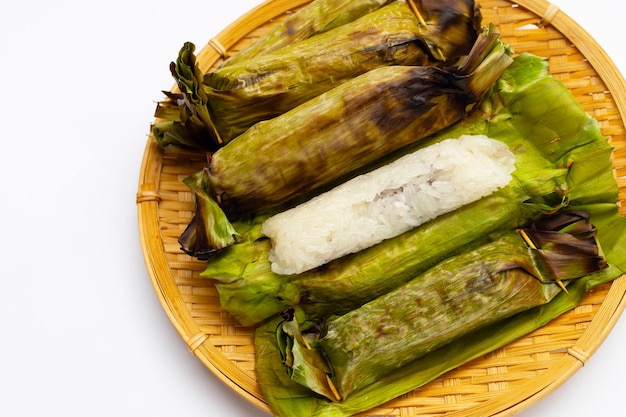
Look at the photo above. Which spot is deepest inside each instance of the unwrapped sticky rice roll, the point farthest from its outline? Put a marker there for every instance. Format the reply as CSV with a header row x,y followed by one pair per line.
x,y
387,202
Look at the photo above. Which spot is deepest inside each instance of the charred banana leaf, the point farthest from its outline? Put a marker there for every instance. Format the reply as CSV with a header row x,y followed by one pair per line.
x,y
457,296
262,88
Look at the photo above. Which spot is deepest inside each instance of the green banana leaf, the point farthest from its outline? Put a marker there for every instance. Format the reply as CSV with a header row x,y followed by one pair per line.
x,y
526,104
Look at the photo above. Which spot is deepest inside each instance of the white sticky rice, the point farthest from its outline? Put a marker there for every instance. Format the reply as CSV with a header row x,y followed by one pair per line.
x,y
388,201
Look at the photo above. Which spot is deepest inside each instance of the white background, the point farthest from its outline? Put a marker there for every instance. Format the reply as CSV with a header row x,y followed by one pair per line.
x,y
82,331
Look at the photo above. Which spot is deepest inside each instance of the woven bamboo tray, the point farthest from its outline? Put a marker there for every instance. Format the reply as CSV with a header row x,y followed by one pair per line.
x,y
499,384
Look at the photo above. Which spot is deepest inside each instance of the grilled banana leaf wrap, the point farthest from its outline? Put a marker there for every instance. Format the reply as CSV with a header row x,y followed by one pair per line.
x,y
225,102
555,257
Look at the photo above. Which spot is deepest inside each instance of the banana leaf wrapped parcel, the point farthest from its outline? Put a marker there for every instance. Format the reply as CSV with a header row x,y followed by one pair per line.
x,y
549,174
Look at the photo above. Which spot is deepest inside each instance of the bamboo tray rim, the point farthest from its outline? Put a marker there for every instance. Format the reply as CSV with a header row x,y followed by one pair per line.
x,y
199,343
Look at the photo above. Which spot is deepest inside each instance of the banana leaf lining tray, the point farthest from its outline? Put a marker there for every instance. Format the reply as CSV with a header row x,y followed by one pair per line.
x,y
501,383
